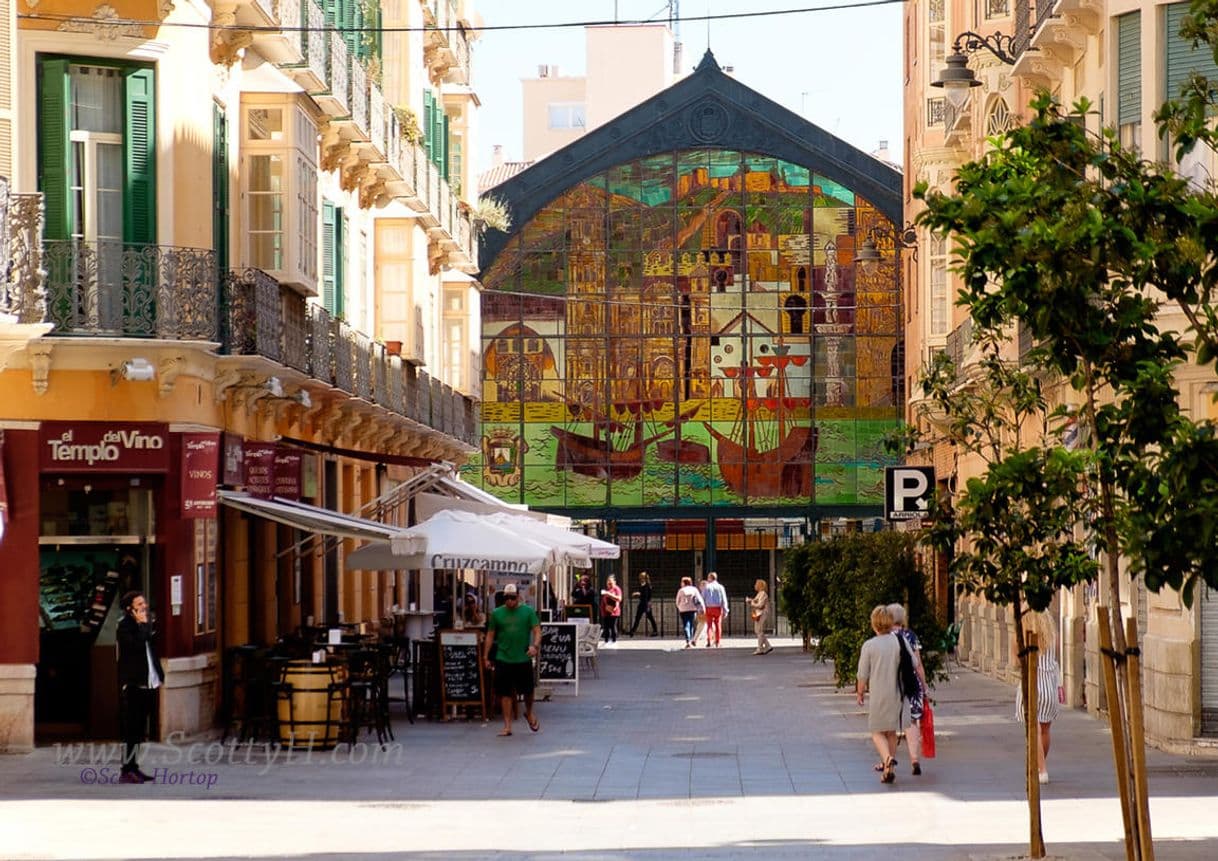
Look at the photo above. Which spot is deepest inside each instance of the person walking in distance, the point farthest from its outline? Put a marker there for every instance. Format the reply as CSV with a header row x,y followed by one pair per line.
x,y
759,606
643,608
913,732
689,602
1048,684
139,675
611,609
700,616
513,637
879,661
715,597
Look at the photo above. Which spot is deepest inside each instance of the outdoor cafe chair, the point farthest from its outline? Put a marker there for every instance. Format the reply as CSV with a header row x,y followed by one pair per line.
x,y
587,645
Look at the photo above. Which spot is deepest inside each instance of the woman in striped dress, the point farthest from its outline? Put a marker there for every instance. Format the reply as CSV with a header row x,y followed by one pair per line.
x,y
1048,679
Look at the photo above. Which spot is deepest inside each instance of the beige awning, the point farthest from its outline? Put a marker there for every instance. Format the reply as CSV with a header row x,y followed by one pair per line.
x,y
322,521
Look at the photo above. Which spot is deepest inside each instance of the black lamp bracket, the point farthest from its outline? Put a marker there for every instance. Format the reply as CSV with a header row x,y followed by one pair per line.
x,y
998,44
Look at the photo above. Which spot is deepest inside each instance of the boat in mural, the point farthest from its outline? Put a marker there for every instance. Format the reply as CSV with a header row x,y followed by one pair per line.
x,y
780,466
684,451
616,448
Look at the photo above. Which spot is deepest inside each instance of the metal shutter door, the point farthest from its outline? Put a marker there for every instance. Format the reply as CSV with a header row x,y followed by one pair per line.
x,y
1209,662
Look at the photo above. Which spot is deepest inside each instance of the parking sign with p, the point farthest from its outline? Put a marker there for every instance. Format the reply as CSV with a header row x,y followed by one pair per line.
x,y
908,491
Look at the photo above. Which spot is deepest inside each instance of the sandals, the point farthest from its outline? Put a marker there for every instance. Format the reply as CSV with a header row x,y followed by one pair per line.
x,y
888,776
916,768
534,724
504,733
879,766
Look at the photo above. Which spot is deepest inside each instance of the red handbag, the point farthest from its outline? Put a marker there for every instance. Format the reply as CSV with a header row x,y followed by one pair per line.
x,y
928,731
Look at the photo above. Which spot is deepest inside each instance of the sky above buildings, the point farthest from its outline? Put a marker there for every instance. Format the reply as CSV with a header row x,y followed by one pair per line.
x,y
839,69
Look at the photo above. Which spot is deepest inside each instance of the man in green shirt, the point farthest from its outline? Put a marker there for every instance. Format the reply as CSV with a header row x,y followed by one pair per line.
x,y
517,630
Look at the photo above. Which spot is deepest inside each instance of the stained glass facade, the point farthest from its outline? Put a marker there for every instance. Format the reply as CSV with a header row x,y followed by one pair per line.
x,y
692,329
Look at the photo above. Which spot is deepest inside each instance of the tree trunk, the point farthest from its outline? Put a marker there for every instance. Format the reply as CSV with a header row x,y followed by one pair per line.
x,y
1027,682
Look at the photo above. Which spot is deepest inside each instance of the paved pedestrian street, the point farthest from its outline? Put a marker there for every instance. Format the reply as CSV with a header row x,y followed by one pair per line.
x,y
671,753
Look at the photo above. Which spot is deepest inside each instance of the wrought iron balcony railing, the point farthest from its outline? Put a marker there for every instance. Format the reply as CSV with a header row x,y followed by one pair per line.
x,y
264,318
1023,27
957,344
22,287
135,291
1044,11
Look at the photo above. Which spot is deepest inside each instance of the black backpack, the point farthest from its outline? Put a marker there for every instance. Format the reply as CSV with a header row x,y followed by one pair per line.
x,y
907,676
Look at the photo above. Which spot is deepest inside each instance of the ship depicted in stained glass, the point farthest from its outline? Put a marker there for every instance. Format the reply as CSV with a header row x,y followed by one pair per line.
x,y
767,453
691,328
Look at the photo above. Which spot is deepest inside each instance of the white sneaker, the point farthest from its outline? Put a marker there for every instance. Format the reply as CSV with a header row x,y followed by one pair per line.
x,y
1044,777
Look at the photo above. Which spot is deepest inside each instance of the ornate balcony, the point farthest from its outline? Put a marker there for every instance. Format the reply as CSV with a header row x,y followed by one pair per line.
x,y
1063,27
23,294
335,97
359,100
275,29
267,320
312,73
1037,67
958,343
253,319
445,43
132,291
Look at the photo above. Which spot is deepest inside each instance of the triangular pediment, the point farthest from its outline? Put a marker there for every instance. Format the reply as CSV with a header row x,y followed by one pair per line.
x,y
708,109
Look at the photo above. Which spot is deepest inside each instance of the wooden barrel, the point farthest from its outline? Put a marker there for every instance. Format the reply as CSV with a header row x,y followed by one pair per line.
x,y
313,717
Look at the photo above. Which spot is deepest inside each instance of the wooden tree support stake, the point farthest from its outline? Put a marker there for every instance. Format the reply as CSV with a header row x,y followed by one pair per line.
x,y
1031,708
1117,729
1137,741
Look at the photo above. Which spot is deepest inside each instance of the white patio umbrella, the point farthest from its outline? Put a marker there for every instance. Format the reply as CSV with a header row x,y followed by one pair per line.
x,y
458,539
594,548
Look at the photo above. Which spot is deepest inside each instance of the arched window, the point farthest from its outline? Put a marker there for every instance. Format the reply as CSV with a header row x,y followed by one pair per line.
x,y
998,117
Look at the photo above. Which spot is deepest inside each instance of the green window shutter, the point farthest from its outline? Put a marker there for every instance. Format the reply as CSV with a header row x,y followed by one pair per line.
x,y
437,132
363,38
219,186
340,263
333,14
327,256
378,22
1182,58
139,145
54,167
428,124
1129,68
353,15
447,150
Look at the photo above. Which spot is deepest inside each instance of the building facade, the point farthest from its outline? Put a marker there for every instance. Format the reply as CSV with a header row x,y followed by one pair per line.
x,y
1126,58
679,340
241,267
559,109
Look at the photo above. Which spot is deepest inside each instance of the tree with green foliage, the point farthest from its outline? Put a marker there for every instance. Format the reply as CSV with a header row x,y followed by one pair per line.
x,y
829,588
1009,533
1087,246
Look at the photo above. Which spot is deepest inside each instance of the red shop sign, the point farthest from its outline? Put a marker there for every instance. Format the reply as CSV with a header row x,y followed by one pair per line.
x,y
259,469
287,474
103,447
234,459
200,471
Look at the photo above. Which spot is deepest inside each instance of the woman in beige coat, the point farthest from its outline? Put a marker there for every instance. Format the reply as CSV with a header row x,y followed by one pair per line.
x,y
877,672
759,606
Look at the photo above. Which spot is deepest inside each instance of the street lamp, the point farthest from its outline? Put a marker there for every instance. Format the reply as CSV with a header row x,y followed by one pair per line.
x,y
869,251
957,78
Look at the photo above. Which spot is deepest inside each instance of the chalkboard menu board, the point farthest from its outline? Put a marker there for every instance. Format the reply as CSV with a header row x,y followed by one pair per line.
x,y
559,658
461,669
